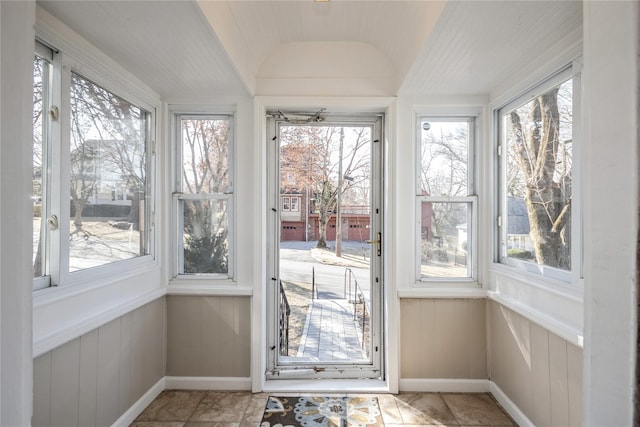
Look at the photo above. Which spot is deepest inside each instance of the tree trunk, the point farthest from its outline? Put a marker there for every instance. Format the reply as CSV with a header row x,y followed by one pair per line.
x,y
547,209
323,219
77,219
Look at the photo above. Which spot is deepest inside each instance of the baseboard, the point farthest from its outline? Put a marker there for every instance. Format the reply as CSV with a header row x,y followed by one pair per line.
x,y
512,409
136,409
444,385
208,383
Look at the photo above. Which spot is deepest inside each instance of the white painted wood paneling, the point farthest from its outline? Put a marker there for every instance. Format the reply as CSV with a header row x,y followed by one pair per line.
x,y
540,372
476,46
65,381
208,336
88,404
443,338
94,379
167,44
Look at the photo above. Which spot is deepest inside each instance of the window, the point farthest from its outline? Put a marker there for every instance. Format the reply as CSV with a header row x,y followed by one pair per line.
x,y
536,150
41,99
290,204
446,200
204,196
90,176
294,204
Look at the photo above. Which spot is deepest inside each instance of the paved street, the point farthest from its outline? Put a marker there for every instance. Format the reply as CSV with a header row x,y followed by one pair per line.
x,y
297,264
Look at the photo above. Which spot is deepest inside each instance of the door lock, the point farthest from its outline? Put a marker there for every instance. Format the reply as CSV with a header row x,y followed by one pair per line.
x,y
378,242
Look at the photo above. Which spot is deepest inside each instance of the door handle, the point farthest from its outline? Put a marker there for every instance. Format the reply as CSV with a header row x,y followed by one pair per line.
x,y
378,242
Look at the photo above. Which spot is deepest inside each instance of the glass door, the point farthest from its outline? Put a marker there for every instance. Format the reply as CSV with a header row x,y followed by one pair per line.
x,y
326,290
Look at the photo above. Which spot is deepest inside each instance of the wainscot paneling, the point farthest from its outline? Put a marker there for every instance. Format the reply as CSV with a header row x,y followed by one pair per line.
x,y
443,338
539,371
95,378
208,336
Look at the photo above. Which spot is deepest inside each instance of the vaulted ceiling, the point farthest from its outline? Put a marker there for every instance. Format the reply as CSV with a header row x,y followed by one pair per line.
x,y
193,50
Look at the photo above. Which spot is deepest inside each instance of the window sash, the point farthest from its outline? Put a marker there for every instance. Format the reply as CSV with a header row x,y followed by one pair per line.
x,y
42,278
58,157
181,195
469,198
574,273
456,250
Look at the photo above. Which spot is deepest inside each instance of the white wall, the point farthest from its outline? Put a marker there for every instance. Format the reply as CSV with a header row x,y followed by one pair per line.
x,y
17,46
611,89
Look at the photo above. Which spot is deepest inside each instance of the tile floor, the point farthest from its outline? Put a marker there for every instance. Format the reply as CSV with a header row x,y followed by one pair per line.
x,y
181,408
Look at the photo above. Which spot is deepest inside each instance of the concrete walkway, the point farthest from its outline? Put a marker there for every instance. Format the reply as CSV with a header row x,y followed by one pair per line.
x,y
330,333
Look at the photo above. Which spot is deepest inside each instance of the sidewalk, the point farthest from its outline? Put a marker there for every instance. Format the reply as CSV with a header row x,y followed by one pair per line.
x,y
330,333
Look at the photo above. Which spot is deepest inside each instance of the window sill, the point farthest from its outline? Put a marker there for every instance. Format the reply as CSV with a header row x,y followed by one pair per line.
x,y
452,290
573,291
178,286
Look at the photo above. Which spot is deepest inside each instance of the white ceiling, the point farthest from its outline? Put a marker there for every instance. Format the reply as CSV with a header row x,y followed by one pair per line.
x,y
193,50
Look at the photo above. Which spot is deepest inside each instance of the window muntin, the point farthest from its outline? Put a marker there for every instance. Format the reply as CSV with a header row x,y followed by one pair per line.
x,y
108,177
204,197
536,153
446,201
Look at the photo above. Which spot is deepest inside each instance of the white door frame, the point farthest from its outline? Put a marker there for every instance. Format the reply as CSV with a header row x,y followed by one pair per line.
x,y
390,302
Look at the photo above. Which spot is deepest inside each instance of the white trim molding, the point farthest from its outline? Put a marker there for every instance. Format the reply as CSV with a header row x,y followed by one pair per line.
x,y
137,408
507,404
444,385
208,383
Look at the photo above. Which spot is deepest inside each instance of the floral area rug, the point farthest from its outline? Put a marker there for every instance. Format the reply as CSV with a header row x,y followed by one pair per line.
x,y
321,411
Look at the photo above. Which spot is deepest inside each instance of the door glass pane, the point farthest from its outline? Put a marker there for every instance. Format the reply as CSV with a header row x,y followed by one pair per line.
x,y
108,168
324,304
539,178
205,236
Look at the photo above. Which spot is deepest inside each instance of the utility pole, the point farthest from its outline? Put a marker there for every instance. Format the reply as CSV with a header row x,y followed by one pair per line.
x,y
339,200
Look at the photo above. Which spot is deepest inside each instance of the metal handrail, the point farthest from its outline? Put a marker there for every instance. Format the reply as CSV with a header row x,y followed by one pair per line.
x,y
285,312
358,298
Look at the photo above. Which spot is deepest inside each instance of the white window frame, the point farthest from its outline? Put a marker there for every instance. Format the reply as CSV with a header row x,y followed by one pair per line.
x,y
179,277
286,204
64,64
471,199
554,276
294,204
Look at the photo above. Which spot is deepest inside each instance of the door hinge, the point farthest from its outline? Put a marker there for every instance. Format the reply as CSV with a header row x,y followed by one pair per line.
x,y
499,220
499,150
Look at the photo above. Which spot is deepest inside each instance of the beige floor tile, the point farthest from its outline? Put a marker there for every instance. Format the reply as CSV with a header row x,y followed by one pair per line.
x,y
254,411
389,409
172,405
157,424
476,409
222,406
211,424
424,409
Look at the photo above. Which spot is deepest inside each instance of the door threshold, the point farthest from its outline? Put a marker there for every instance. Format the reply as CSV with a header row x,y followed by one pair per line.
x,y
325,386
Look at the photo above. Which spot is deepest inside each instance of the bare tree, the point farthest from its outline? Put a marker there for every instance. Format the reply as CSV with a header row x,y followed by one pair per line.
x,y
542,158
444,172
309,154
108,139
